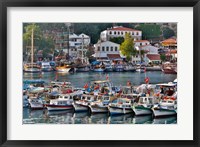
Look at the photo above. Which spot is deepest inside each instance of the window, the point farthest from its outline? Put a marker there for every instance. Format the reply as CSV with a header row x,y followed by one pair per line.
x,y
103,48
115,33
110,32
115,48
122,33
98,49
132,33
111,48
118,33
137,33
140,43
107,48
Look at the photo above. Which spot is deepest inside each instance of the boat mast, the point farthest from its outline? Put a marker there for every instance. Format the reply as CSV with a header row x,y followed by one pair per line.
x,y
82,47
32,45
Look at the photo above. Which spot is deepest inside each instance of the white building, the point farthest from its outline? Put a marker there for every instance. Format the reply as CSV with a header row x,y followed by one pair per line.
x,y
119,31
76,43
102,49
141,42
150,49
152,58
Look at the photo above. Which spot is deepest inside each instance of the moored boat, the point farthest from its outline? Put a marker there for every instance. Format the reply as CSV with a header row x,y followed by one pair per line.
x,y
35,103
82,68
83,103
101,105
140,68
118,67
64,102
144,105
166,107
120,106
31,68
63,69
46,67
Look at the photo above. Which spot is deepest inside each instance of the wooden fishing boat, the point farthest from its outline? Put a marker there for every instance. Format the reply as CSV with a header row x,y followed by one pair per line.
x,y
64,102
120,106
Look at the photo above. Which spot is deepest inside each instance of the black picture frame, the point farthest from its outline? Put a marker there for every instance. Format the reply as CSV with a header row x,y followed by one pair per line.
x,y
4,4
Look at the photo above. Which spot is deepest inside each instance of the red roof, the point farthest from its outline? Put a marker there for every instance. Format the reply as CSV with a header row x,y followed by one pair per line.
x,y
153,56
113,56
169,41
123,29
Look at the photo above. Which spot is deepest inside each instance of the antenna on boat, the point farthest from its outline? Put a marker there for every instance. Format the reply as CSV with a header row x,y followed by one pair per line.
x,y
32,45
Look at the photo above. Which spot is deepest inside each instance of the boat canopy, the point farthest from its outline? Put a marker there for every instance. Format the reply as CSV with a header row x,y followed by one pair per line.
x,y
33,81
167,84
95,62
100,82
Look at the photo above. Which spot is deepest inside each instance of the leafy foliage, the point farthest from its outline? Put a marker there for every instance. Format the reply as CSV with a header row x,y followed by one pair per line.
x,y
150,31
167,33
91,29
162,57
40,41
127,47
117,40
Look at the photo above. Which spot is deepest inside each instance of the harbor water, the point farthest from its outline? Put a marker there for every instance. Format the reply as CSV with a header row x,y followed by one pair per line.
x,y
79,80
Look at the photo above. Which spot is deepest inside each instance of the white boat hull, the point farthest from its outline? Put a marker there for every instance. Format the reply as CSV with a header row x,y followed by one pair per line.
x,y
116,110
57,108
79,107
99,69
32,70
36,105
142,111
163,112
140,70
65,70
96,109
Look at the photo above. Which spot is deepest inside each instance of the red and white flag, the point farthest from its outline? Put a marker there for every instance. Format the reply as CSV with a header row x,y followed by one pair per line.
x,y
146,80
86,86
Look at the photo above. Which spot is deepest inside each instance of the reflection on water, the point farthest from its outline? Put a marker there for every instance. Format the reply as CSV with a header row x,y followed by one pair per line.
x,y
165,120
69,117
143,119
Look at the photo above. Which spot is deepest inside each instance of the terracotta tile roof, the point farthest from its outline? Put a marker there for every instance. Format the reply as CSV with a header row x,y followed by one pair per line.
x,y
123,29
113,56
172,52
169,41
153,56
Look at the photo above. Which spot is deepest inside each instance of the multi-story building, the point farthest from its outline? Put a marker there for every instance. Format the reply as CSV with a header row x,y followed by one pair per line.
x,y
141,42
119,31
76,42
103,49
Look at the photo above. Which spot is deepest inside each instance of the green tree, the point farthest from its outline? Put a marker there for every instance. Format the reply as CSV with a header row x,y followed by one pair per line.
x,y
41,41
127,47
150,31
117,40
167,33
28,32
162,57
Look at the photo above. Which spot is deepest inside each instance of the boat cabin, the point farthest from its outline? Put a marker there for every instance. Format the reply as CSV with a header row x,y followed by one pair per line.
x,y
60,102
88,97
